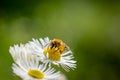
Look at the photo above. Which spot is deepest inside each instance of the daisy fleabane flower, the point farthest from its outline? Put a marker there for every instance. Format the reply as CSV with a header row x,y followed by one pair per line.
x,y
53,52
27,66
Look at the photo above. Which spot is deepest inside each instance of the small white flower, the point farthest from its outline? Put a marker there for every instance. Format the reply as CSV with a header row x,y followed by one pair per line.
x,y
27,66
53,51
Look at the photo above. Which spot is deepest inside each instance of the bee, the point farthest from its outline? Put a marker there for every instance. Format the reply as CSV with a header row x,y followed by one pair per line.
x,y
58,45
55,48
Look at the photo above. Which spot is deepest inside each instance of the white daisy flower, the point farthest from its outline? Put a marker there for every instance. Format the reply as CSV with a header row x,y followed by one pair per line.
x,y
53,51
28,67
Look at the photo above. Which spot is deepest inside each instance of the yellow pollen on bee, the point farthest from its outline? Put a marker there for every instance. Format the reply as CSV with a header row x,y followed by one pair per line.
x,y
55,49
36,74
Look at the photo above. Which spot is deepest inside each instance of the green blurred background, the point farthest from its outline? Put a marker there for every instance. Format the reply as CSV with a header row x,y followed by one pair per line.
x,y
90,28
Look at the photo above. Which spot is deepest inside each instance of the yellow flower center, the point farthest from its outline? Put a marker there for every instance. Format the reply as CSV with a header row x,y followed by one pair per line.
x,y
52,54
55,49
36,74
